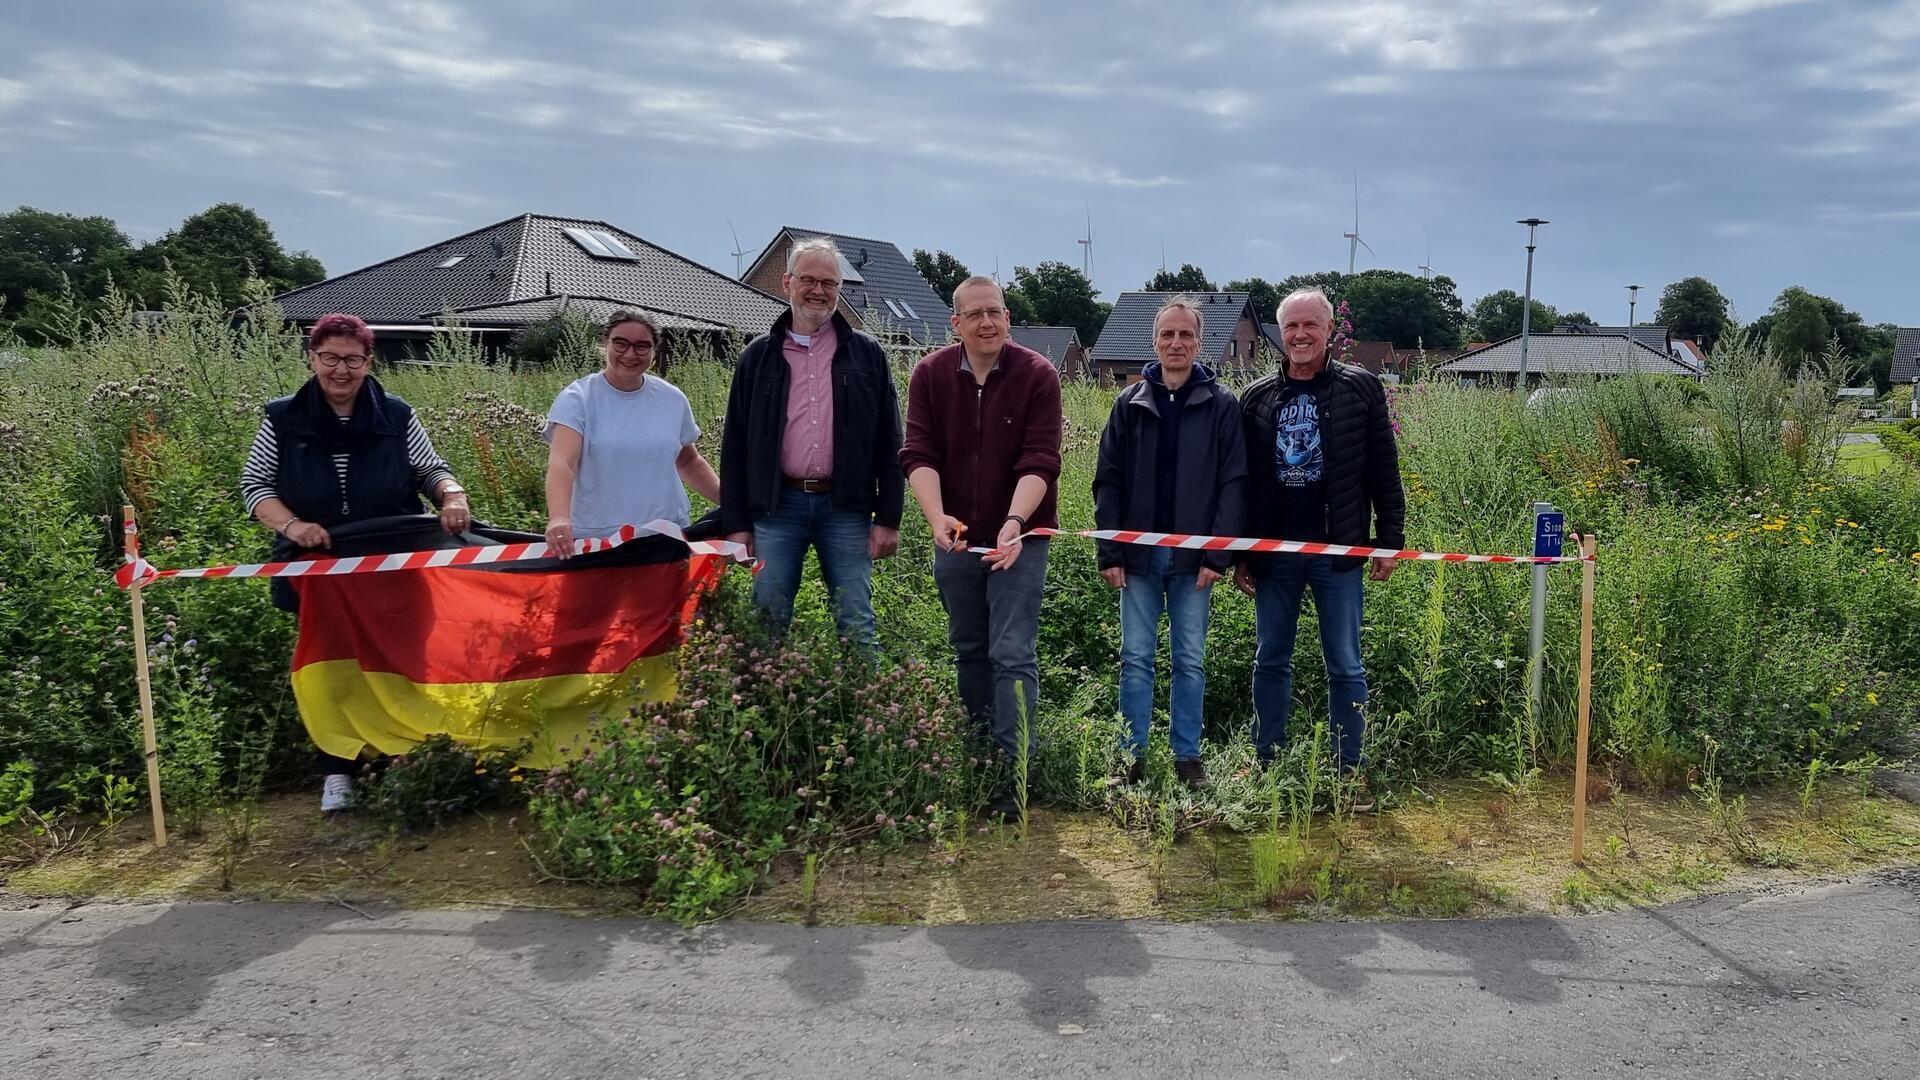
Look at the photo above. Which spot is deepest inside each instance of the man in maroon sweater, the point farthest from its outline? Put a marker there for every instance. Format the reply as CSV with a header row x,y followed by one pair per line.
x,y
982,454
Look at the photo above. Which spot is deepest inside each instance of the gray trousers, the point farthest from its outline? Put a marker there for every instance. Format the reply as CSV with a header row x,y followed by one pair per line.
x,y
993,623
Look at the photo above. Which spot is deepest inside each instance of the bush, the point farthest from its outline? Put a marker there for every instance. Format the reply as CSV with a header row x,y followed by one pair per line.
x,y
767,746
440,780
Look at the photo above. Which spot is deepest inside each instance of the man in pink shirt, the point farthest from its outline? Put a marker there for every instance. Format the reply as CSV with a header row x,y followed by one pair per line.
x,y
808,455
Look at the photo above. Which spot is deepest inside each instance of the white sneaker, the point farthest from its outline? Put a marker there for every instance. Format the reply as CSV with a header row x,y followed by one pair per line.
x,y
337,794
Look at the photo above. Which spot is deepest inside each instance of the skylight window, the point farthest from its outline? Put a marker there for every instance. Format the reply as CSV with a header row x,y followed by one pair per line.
x,y
601,244
448,262
894,307
908,308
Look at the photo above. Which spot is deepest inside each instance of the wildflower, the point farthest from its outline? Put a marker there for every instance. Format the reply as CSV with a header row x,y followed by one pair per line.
x,y
1873,698
1500,663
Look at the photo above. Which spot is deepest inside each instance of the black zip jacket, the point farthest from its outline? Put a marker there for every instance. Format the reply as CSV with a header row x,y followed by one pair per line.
x,y
866,429
1212,465
1365,503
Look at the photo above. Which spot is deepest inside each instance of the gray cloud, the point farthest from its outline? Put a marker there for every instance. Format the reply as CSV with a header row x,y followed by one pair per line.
x,y
1759,143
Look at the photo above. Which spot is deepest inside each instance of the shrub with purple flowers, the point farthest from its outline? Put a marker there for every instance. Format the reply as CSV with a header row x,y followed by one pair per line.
x,y
768,745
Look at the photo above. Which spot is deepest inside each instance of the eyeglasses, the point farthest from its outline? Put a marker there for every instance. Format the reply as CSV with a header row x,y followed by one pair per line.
x,y
808,281
353,361
621,345
976,314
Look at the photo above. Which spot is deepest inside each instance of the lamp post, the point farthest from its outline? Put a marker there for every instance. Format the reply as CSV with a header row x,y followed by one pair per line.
x,y
1526,303
1633,295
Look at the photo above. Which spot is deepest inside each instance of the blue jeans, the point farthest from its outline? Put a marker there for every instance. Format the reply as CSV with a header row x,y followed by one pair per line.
x,y
839,537
1188,609
993,623
1276,611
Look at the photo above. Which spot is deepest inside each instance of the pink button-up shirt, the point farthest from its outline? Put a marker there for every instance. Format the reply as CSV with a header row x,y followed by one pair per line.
x,y
806,450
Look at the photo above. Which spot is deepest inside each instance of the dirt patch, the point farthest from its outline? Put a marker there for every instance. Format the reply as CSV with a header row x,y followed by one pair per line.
x,y
1450,850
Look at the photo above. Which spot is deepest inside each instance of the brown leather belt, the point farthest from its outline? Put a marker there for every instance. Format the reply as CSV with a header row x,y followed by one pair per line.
x,y
814,487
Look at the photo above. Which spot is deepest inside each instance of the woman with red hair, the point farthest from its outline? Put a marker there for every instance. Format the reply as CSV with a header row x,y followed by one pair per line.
x,y
341,449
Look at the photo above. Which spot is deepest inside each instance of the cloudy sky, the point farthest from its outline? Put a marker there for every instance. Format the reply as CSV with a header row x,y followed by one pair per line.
x,y
1761,143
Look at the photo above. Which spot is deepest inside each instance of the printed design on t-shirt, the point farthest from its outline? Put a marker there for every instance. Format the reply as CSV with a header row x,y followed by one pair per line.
x,y
1297,458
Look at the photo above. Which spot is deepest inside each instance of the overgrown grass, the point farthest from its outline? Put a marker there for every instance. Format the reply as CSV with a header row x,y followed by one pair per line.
x,y
1751,591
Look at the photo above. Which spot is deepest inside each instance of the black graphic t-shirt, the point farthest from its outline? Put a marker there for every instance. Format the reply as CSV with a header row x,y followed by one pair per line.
x,y
1299,465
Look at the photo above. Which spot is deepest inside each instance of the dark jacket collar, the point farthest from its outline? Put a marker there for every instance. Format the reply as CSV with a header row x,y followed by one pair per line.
x,y
1199,385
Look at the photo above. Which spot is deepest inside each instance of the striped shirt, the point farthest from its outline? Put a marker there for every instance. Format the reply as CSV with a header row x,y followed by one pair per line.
x,y
263,464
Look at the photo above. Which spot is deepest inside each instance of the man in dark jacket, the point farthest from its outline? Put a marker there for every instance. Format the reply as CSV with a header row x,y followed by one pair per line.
x,y
1172,460
982,454
808,454
1323,466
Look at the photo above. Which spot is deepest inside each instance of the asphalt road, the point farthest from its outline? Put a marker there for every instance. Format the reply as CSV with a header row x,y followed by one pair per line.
x,y
1822,981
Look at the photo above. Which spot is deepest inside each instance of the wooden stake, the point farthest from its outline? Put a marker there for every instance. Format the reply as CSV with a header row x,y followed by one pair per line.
x,y
146,682
1588,546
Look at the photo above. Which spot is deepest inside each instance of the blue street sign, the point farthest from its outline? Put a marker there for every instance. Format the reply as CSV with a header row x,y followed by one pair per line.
x,y
1549,533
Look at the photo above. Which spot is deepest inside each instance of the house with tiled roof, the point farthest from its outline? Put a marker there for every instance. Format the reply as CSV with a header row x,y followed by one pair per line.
x,y
1906,355
1059,344
880,291
1231,338
1565,354
500,278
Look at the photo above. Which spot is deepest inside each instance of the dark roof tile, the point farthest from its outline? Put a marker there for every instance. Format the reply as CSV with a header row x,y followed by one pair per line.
x,y
1127,336
527,258
1568,354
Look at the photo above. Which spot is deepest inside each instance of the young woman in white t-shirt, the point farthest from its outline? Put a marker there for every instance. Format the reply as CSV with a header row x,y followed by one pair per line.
x,y
621,444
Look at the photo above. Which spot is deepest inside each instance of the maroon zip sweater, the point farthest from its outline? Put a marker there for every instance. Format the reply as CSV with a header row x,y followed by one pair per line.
x,y
982,438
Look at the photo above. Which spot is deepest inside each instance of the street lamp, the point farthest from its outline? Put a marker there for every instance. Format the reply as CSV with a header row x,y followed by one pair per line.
x,y
1633,295
1526,303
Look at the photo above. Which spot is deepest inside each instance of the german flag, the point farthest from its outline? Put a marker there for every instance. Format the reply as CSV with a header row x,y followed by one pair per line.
x,y
493,656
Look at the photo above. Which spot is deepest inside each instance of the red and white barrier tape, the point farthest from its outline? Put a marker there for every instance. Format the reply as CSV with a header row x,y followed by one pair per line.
x,y
425,560
1242,543
507,553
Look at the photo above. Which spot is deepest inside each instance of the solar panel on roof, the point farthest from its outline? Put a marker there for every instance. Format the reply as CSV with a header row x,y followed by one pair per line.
x,y
613,245
589,241
449,261
848,273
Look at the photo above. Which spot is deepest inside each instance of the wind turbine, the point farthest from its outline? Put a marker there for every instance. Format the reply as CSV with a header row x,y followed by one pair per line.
x,y
1426,268
737,252
1086,249
1354,243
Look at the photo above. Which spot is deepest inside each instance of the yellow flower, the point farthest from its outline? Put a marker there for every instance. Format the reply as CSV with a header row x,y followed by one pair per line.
x,y
479,772
1806,540
1774,526
1873,698
518,779
1879,551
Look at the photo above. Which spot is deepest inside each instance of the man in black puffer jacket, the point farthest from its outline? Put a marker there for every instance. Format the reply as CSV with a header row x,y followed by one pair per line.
x,y
1322,466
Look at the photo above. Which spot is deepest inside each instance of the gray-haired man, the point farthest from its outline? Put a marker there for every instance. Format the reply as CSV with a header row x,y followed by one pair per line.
x,y
808,454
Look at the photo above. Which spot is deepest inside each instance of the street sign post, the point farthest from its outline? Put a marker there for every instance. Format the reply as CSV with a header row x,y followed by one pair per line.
x,y
1549,538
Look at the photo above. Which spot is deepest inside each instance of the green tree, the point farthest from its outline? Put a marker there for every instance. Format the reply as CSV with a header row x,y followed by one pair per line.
x,y
1189,278
1797,327
1020,309
217,249
1694,309
1496,316
942,271
1327,281
1263,294
54,269
37,247
1059,295
1578,321
1390,305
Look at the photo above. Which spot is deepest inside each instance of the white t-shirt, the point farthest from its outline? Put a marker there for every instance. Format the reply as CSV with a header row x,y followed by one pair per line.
x,y
629,440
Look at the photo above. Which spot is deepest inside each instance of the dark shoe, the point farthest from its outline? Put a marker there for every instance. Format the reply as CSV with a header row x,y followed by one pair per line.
x,y
1003,808
1192,773
1136,772
1363,800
